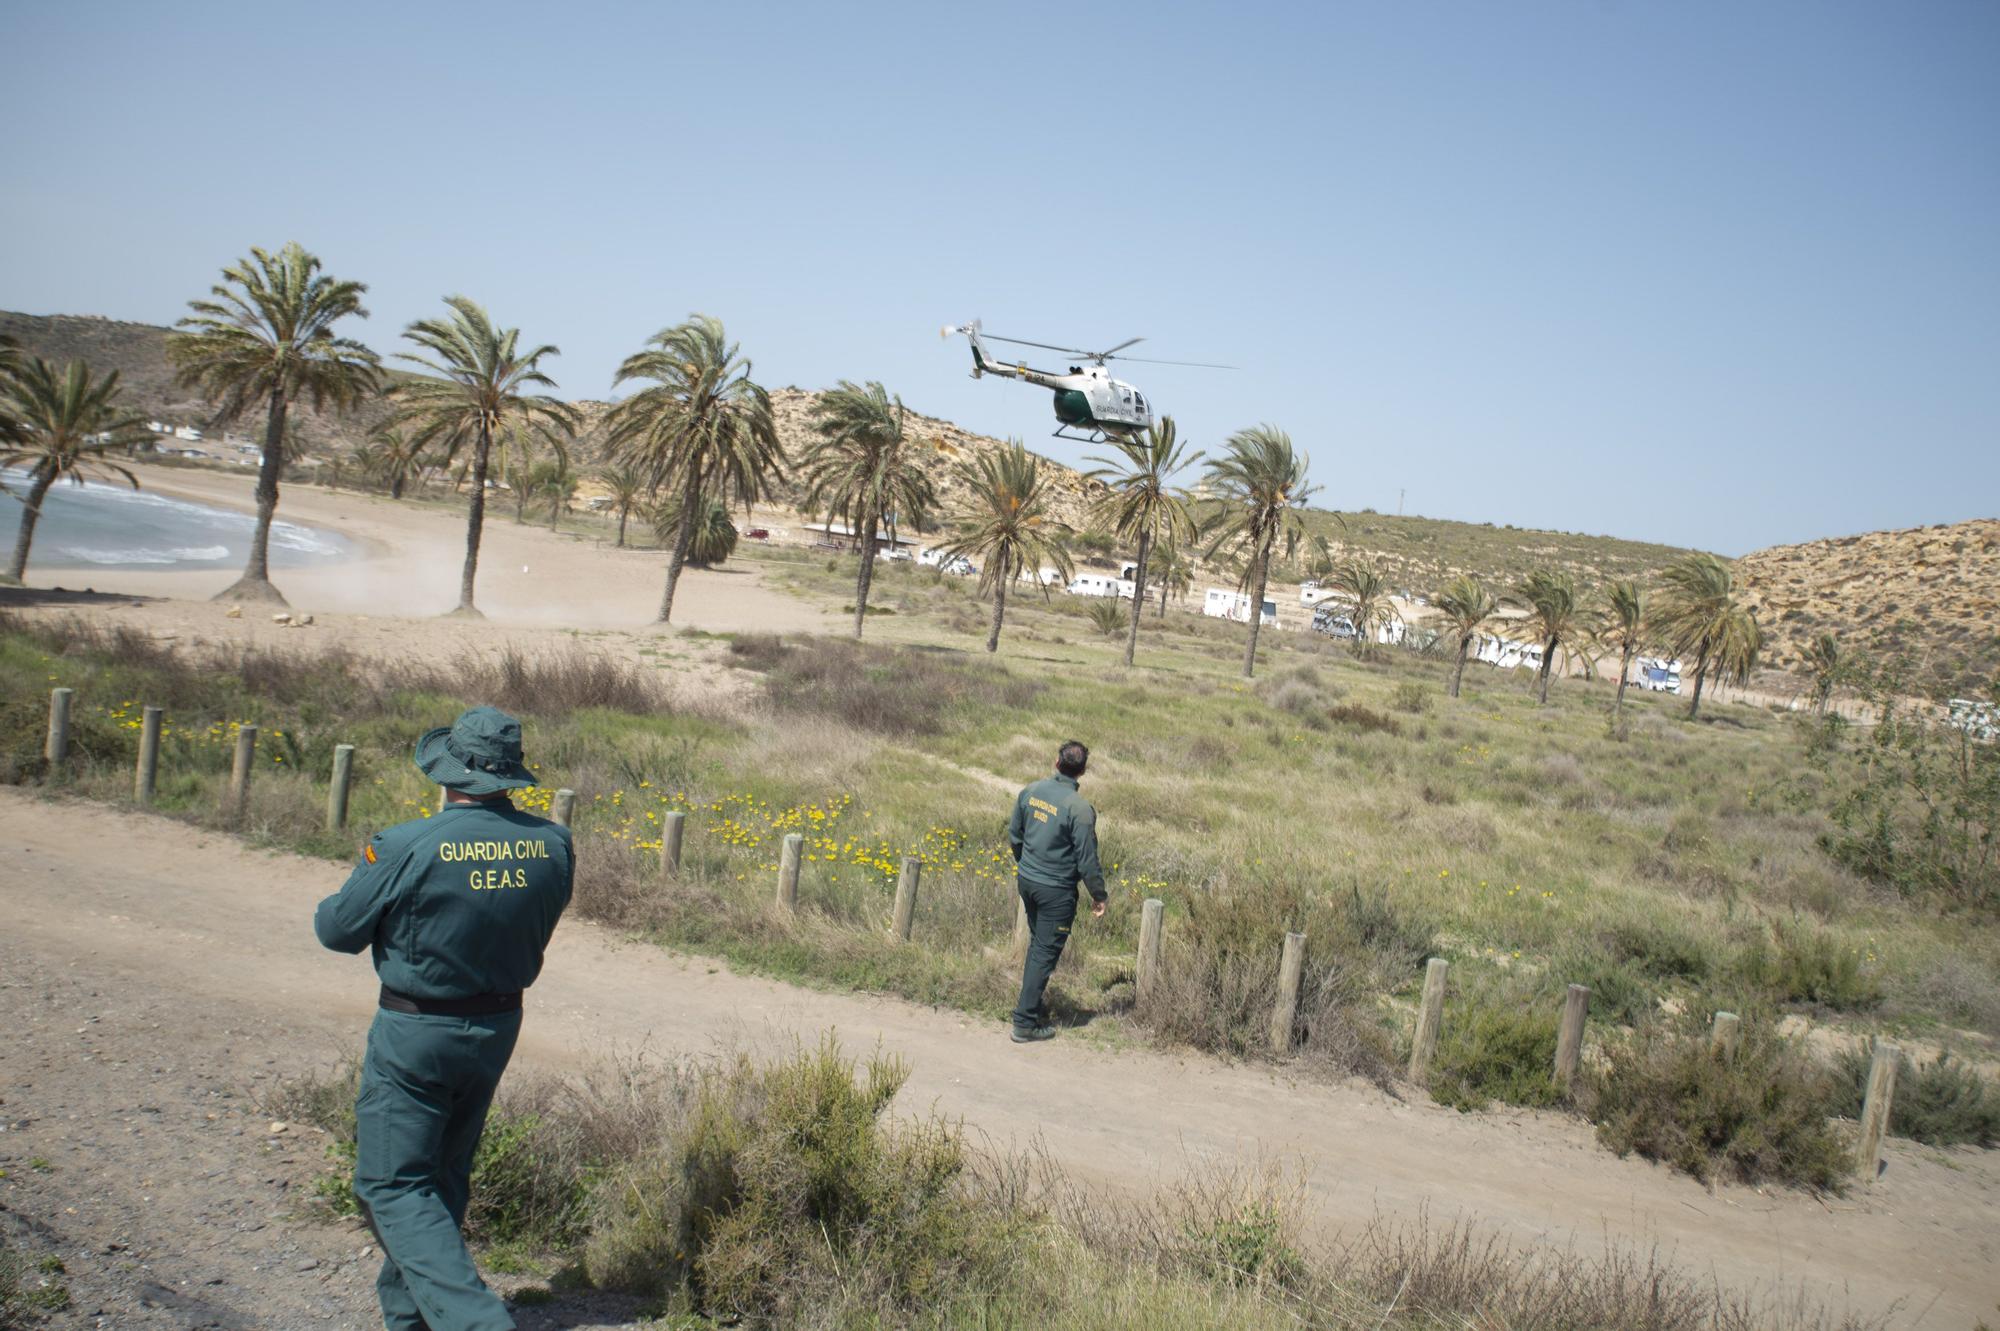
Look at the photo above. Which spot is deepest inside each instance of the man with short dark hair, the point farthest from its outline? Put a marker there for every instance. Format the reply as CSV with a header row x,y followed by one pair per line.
x,y
1054,838
457,909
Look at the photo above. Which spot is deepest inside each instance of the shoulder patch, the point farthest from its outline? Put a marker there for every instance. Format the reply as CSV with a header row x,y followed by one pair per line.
x,y
368,852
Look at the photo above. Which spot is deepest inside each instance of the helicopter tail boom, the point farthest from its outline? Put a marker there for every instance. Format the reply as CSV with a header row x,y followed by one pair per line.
x,y
983,363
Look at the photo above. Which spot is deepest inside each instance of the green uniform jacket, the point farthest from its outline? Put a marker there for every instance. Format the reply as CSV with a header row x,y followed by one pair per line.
x,y
1054,836
455,905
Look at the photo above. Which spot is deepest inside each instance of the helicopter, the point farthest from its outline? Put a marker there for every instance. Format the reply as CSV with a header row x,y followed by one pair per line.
x,y
1088,400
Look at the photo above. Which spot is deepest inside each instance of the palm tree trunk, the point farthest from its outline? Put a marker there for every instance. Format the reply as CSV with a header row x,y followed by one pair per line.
x,y
1138,594
1257,612
396,485
865,578
520,503
1700,675
683,537
31,513
475,522
623,513
1624,673
255,584
999,605
1458,671
1548,662
556,502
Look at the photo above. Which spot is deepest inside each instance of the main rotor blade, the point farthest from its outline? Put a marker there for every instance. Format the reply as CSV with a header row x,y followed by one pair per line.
x,y
1128,342
1045,346
1192,364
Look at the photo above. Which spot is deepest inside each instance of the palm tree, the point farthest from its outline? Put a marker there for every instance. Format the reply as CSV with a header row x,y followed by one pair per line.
x,y
266,340
1699,618
1823,660
1621,625
627,487
61,425
1553,607
1361,582
714,537
389,458
702,427
1466,606
863,470
482,390
1005,524
556,482
1175,575
1142,504
1261,482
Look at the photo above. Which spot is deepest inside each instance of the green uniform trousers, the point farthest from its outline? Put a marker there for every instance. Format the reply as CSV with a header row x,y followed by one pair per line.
x,y
426,1085
1051,912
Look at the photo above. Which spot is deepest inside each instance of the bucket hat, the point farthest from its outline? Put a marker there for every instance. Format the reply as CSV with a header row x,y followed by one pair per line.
x,y
478,754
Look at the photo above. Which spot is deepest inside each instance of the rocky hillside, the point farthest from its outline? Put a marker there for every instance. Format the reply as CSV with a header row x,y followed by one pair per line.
x,y
139,353
1933,592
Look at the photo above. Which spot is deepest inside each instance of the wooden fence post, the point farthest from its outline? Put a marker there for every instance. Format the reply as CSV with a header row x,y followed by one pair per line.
x,y
1875,1108
1569,1036
671,832
564,807
906,896
148,773
56,747
788,870
1430,1020
442,801
1152,917
1020,925
336,793
239,772
1723,1035
1291,965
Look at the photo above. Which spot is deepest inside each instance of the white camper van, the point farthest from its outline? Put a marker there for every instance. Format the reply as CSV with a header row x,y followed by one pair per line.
x,y
1227,603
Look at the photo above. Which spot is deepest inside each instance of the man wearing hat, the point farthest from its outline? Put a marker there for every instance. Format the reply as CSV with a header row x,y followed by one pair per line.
x,y
456,909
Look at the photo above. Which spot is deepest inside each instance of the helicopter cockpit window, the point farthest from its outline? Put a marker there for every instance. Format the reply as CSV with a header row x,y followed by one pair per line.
x,y
1139,400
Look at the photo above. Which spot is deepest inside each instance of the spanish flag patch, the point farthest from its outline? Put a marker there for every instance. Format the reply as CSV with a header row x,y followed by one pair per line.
x,y
369,852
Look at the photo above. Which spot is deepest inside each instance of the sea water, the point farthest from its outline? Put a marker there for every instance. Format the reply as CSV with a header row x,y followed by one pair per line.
x,y
96,525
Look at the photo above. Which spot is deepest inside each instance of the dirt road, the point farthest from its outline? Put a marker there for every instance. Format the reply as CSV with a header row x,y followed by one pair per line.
x,y
141,954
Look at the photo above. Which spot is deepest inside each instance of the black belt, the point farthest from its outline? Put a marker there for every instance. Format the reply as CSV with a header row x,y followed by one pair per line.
x,y
479,1005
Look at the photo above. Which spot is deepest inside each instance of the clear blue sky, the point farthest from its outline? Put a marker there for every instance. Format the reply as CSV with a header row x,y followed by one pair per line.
x,y
1719,274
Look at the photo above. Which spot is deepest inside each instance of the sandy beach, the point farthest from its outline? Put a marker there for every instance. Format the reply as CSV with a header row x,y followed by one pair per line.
x,y
391,596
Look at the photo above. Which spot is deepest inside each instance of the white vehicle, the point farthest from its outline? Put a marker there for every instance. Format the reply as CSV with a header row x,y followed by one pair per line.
x,y
895,556
1227,603
1656,674
960,567
1093,584
1311,593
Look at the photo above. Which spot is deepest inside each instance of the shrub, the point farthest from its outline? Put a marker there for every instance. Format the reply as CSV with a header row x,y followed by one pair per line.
x,y
897,691
782,1190
1361,718
1799,964
1939,1103
1497,1049
1761,1115
1412,697
1218,987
